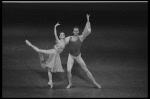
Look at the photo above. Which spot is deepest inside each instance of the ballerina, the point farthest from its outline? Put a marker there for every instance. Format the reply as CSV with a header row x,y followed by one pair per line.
x,y
50,59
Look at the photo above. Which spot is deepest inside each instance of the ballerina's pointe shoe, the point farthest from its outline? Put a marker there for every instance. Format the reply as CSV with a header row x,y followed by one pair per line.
x,y
69,86
28,42
98,86
51,84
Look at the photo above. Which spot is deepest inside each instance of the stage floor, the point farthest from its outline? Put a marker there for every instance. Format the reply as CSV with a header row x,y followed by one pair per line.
x,y
118,78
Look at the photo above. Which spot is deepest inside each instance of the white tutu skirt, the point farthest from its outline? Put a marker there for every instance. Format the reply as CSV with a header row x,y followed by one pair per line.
x,y
51,61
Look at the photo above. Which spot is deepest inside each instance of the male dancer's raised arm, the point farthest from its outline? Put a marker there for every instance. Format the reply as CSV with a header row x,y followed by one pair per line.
x,y
85,33
87,29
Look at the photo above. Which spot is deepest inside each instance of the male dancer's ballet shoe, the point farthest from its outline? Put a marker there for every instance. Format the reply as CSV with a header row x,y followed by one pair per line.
x,y
69,86
51,84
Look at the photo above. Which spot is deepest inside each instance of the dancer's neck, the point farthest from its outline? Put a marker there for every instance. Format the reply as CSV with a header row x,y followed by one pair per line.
x,y
62,40
75,36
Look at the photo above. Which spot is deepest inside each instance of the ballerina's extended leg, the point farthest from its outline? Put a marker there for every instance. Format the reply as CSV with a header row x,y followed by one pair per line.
x,y
34,47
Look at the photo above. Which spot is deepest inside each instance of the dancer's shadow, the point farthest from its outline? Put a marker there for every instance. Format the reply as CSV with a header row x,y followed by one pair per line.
x,y
56,77
61,76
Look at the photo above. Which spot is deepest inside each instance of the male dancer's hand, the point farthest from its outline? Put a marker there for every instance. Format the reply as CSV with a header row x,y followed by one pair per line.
x,y
57,24
88,23
88,17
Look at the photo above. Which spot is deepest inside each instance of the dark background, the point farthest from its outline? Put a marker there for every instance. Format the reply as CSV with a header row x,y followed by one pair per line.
x,y
118,43
45,14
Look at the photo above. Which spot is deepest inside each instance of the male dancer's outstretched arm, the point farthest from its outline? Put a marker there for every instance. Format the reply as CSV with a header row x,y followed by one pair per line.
x,y
86,31
67,39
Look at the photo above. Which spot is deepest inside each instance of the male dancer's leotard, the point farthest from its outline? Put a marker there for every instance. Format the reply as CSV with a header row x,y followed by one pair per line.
x,y
75,47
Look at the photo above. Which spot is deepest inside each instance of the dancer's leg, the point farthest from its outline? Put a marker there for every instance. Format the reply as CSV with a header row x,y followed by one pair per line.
x,y
34,47
50,78
83,65
69,67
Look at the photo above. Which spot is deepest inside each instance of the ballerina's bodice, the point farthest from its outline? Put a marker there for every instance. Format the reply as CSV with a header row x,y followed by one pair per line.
x,y
59,47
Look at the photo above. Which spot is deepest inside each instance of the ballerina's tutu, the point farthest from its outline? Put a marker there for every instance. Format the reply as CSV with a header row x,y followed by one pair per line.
x,y
51,61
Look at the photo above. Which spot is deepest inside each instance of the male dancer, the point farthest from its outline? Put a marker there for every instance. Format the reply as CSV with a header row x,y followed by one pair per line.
x,y
75,43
